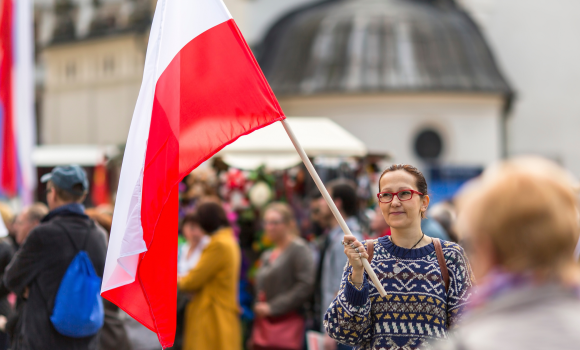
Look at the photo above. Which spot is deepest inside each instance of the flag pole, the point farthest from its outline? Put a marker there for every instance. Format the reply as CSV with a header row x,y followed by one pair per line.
x,y
330,202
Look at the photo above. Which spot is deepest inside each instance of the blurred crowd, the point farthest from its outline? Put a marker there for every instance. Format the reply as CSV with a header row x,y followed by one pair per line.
x,y
283,276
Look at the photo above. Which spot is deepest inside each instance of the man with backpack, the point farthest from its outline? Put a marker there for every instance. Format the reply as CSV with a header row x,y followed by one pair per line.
x,y
66,242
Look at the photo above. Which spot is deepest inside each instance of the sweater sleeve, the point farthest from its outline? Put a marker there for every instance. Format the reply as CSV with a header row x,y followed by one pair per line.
x,y
348,319
460,283
303,271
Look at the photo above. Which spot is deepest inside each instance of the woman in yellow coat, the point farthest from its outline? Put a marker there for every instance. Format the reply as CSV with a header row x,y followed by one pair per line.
x,y
212,320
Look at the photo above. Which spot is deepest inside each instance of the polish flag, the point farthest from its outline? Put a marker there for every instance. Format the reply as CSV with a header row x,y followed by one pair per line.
x,y
202,89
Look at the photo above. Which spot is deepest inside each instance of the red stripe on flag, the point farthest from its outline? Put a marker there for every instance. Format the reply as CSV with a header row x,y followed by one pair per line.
x,y
227,95
211,93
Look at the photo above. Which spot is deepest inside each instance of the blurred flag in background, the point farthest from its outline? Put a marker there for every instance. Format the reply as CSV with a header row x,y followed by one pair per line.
x,y
17,120
100,190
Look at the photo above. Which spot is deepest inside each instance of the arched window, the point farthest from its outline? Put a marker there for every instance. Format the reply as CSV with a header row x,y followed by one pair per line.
x,y
428,144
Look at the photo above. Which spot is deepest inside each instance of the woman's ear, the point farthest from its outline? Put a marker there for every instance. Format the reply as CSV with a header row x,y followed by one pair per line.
x,y
424,206
425,202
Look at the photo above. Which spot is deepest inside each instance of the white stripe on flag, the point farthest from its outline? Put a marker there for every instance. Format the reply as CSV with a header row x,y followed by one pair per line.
x,y
183,21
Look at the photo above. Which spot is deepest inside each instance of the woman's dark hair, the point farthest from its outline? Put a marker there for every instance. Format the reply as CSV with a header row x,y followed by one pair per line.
x,y
211,217
67,196
419,177
190,219
345,191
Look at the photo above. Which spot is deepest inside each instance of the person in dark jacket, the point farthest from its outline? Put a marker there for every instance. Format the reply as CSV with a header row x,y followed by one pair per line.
x,y
27,220
39,266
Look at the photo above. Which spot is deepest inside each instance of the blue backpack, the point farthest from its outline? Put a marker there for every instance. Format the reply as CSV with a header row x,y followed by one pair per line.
x,y
78,308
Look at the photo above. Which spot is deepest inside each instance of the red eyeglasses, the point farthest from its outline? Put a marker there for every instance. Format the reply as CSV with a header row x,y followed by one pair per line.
x,y
404,195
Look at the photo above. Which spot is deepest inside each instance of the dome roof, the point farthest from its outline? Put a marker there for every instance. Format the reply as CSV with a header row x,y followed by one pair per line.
x,y
354,46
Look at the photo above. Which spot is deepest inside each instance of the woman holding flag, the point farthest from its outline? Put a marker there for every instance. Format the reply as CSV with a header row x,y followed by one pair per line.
x,y
427,280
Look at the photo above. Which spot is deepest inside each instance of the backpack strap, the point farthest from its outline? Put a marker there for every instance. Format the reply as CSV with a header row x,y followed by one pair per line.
x,y
85,240
442,264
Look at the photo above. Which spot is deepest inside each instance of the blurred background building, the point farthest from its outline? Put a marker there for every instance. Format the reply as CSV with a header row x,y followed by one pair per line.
x,y
449,85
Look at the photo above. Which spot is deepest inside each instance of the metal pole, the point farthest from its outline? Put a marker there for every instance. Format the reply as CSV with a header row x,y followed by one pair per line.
x,y
330,203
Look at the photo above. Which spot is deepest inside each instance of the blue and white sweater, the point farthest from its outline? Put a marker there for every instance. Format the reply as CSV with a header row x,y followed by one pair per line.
x,y
416,311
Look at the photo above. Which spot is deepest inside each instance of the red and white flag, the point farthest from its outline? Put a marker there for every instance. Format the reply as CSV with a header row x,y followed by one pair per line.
x,y
202,89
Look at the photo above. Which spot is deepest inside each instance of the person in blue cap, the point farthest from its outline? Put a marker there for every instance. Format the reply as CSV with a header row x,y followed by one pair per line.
x,y
38,267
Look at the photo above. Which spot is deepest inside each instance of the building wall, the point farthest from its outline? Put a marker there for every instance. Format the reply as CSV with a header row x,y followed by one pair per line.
x,y
90,90
255,17
90,85
469,124
536,44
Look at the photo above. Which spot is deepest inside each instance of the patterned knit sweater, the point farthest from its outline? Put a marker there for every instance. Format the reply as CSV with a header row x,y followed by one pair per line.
x,y
416,311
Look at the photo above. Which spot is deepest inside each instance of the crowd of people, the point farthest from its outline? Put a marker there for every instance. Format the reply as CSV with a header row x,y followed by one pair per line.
x,y
294,280
43,239
517,224
496,268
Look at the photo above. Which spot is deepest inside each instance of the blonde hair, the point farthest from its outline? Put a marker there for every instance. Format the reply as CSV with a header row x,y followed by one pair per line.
x,y
286,213
527,209
37,211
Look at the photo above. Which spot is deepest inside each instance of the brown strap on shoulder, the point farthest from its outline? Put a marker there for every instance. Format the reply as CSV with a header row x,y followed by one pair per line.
x,y
370,250
442,264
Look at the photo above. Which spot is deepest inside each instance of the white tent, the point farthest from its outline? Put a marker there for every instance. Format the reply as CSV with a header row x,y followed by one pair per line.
x,y
83,155
272,147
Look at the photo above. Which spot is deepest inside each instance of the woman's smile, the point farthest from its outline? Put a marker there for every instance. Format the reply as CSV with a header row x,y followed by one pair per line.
x,y
397,213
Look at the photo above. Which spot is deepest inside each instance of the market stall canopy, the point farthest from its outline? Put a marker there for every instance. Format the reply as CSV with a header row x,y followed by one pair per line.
x,y
272,147
83,155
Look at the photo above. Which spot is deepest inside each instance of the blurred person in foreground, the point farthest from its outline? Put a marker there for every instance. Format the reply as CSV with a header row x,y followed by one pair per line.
x,y
113,335
212,316
520,225
421,303
332,259
284,282
41,262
